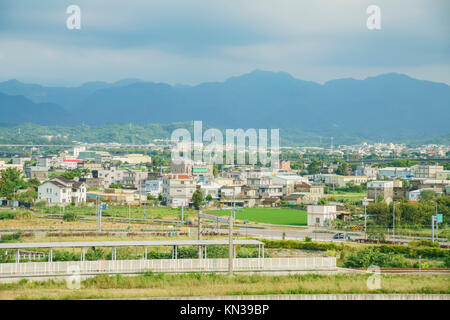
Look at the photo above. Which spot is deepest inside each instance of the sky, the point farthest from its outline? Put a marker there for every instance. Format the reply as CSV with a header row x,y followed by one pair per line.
x,y
195,41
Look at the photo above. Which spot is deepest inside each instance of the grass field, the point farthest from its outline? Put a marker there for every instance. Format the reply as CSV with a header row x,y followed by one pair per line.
x,y
351,196
165,285
269,215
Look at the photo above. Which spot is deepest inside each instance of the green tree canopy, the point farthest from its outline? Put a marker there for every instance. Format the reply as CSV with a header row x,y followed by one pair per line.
x,y
197,199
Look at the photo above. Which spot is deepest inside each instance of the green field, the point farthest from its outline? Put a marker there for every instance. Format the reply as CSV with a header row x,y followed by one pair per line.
x,y
269,215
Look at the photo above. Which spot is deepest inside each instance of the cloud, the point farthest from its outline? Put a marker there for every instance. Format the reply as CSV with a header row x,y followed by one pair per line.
x,y
202,40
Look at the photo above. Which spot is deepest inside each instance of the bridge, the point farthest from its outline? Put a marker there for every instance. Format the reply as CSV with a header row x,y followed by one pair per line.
x,y
397,159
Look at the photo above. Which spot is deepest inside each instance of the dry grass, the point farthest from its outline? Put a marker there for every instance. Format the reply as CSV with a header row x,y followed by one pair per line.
x,y
165,285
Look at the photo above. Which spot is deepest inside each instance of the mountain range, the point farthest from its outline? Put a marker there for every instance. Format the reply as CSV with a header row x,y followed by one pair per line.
x,y
387,105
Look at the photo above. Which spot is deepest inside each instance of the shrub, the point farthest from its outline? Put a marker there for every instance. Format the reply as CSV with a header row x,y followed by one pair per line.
x,y
423,243
70,216
11,237
8,215
368,257
294,244
95,254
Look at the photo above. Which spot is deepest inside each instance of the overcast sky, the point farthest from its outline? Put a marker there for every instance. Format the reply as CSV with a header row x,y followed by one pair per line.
x,y
193,41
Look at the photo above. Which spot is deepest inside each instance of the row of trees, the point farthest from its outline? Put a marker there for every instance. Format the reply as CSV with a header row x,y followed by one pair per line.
x,y
409,213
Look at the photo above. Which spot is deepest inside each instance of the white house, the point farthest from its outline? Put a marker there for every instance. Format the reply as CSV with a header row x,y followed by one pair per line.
x,y
321,215
177,189
60,190
153,187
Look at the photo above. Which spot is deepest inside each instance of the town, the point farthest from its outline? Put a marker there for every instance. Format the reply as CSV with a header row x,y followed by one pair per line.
x,y
335,187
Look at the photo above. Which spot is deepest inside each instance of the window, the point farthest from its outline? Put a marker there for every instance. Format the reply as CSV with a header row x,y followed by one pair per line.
x,y
317,220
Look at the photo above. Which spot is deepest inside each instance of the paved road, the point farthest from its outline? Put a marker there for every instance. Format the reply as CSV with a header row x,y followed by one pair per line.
x,y
277,233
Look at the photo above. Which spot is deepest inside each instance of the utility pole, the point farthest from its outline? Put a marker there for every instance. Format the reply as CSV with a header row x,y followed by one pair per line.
x,y
230,244
393,222
437,223
365,218
432,228
99,218
200,254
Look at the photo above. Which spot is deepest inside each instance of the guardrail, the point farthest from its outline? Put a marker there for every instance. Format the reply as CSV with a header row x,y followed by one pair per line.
x,y
164,265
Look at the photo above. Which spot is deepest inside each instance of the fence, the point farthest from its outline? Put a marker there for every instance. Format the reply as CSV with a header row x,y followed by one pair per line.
x,y
165,265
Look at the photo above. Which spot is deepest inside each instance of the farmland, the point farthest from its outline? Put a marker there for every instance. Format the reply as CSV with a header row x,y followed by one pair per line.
x,y
269,215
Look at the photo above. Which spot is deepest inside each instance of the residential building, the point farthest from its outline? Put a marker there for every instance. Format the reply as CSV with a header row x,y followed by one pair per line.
x,y
438,186
133,158
134,179
154,187
426,171
369,172
177,189
109,176
443,175
47,162
20,160
340,181
375,189
39,173
60,190
212,189
311,193
321,215
70,164
285,165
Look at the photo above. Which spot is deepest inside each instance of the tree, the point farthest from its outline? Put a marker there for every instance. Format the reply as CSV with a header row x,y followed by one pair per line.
x,y
209,197
28,196
314,167
11,179
380,211
197,199
342,168
215,170
427,195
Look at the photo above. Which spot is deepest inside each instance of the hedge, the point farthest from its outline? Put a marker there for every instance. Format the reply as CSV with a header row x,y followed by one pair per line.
x,y
307,245
413,252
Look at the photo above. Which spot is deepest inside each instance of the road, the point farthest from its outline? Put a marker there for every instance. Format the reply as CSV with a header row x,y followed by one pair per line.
x,y
276,233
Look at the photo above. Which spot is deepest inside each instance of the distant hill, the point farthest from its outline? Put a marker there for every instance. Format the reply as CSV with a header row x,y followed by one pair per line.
x,y
386,106
18,109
